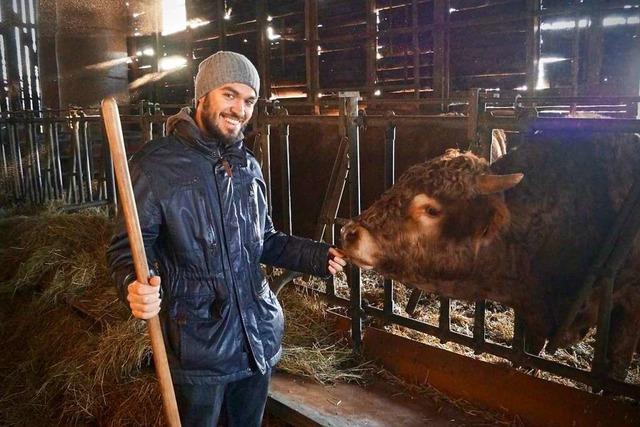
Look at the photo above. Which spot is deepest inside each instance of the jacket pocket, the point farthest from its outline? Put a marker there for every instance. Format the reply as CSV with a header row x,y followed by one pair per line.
x,y
271,320
192,232
201,331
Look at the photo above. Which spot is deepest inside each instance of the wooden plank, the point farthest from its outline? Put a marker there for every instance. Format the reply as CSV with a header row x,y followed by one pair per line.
x,y
533,400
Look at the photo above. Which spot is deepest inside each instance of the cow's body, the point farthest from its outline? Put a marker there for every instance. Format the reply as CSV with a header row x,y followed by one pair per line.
x,y
442,231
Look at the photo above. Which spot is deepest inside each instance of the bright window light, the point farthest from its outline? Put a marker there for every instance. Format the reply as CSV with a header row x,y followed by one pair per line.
x,y
148,51
172,62
377,92
174,16
611,21
197,22
271,35
633,20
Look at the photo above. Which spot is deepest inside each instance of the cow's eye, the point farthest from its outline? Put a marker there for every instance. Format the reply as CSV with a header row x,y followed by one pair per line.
x,y
432,211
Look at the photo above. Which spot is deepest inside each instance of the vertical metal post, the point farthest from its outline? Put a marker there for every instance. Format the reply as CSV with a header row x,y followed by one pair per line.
x,y
86,146
478,323
34,160
286,174
265,144
389,179
78,178
108,171
349,116
53,174
14,143
311,52
330,287
5,166
57,161
444,321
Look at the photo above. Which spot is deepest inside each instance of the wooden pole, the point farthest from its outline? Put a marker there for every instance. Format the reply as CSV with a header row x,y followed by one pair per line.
x,y
113,128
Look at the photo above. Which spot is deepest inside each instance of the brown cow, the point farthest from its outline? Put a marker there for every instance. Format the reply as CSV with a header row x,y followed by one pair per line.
x,y
456,226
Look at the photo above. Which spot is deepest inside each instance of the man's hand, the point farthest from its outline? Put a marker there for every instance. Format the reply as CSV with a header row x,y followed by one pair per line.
x,y
336,261
144,300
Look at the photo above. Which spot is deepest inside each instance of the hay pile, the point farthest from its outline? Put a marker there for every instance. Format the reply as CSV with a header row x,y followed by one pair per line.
x,y
77,358
67,366
499,322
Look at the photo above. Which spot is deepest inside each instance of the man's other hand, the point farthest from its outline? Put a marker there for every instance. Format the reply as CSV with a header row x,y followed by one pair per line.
x,y
144,300
336,261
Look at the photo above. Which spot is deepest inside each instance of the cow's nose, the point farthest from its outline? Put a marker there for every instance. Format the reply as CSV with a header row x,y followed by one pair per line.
x,y
349,233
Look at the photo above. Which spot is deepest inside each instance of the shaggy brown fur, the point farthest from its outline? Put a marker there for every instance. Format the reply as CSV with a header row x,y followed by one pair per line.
x,y
560,214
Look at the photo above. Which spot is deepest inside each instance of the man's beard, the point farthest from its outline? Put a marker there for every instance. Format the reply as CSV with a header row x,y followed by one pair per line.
x,y
214,130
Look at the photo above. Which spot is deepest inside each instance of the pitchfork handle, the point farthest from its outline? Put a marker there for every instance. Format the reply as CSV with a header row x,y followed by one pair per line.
x,y
112,125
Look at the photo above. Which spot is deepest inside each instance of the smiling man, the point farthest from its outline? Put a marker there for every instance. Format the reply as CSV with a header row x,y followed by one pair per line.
x,y
203,213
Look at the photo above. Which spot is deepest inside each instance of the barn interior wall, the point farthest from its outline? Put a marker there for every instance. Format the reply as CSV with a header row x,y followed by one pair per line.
x,y
313,150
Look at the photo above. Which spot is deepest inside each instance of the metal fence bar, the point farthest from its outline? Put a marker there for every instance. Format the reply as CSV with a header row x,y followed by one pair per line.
x,y
87,155
349,116
286,170
389,180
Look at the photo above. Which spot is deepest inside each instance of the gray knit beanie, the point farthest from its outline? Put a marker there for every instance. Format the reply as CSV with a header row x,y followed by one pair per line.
x,y
225,67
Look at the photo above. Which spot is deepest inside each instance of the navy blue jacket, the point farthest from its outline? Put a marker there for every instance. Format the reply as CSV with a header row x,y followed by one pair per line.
x,y
206,230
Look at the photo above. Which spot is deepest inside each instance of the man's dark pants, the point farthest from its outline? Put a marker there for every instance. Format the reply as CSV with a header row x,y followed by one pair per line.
x,y
240,403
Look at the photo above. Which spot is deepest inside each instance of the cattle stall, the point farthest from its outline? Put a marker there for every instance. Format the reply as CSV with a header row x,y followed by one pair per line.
x,y
50,165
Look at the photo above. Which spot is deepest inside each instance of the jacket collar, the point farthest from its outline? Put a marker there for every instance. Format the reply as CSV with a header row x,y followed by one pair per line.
x,y
183,126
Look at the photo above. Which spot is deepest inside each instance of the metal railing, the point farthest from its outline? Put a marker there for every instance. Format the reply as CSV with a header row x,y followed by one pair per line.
x,y
479,122
63,156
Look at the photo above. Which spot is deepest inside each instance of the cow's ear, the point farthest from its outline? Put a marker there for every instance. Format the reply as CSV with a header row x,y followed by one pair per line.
x,y
489,184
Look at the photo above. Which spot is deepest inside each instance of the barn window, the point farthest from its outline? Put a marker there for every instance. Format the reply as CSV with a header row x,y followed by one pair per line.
x,y
174,16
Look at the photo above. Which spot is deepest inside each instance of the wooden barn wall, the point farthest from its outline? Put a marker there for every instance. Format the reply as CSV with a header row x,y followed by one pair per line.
x,y
310,49
313,149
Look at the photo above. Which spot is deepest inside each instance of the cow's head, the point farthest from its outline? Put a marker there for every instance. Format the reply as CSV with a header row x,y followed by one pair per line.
x,y
432,223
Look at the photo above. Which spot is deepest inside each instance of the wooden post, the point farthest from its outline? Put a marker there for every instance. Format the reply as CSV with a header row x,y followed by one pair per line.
x,y
264,50
349,115
533,44
440,82
415,41
594,53
222,25
389,180
372,47
311,53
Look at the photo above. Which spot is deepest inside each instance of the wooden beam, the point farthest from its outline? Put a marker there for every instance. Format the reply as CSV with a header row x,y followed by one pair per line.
x,y
263,49
533,44
222,25
415,41
594,52
372,44
441,79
